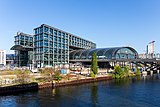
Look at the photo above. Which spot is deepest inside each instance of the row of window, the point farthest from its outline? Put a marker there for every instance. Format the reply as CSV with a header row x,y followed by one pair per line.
x,y
49,57
24,38
50,38
50,44
25,43
50,31
51,50
44,29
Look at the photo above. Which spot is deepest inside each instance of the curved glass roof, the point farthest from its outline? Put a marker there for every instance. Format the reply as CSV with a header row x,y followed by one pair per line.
x,y
105,53
22,47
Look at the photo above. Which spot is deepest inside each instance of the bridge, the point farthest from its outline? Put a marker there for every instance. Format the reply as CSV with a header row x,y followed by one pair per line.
x,y
145,64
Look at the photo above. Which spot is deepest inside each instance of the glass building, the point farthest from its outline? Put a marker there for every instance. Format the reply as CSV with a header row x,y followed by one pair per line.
x,y
105,53
52,45
23,49
48,46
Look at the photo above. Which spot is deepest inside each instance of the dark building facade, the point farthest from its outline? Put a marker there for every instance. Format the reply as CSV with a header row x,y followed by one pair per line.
x,y
23,49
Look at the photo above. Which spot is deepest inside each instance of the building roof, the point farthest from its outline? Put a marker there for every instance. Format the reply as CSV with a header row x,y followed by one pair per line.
x,y
105,53
22,47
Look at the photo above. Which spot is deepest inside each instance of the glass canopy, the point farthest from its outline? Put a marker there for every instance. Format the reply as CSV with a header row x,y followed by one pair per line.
x,y
105,53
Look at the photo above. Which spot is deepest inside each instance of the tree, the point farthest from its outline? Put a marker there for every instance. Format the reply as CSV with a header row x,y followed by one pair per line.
x,y
126,70
138,73
119,73
94,65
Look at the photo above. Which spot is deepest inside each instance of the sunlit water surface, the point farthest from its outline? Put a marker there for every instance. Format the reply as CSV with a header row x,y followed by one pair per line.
x,y
133,92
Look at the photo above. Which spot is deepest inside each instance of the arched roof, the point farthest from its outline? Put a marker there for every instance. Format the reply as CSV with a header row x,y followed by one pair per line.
x,y
105,53
22,47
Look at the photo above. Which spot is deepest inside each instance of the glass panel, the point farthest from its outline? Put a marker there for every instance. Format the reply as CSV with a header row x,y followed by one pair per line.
x,y
45,43
45,29
51,31
45,37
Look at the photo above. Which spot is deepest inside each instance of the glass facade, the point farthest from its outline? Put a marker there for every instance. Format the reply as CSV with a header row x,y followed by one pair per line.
x,y
105,53
23,49
52,46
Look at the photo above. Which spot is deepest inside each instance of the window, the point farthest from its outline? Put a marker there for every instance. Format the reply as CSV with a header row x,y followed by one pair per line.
x,y
37,37
51,44
45,43
59,40
51,31
45,37
63,35
51,50
51,37
41,30
55,38
41,50
45,50
45,29
55,45
41,37
30,39
26,38
59,45
55,50
59,33
16,43
55,32
17,38
22,38
41,43
36,31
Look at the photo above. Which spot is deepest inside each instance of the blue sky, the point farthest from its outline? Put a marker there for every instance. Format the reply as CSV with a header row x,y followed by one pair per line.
x,y
108,23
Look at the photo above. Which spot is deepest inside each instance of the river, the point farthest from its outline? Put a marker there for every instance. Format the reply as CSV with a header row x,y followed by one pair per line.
x,y
130,92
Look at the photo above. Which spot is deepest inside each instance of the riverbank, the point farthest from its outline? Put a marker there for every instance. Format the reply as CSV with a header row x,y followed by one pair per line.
x,y
35,86
18,88
73,82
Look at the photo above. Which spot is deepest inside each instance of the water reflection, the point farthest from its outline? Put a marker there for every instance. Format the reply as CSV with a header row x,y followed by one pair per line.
x,y
94,94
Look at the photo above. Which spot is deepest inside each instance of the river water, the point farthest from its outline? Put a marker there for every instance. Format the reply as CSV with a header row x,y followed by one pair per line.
x,y
130,92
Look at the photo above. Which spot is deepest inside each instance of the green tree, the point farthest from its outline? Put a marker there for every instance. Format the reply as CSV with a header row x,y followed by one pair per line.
x,y
138,73
119,73
94,65
126,70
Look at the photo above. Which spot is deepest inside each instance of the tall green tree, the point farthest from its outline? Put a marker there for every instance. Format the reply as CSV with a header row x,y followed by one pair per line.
x,y
138,73
94,65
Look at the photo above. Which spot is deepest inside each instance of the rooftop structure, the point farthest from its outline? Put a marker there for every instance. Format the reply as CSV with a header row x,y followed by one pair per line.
x,y
105,53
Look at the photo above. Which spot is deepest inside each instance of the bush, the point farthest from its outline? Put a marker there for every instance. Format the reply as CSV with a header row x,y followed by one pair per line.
x,y
57,76
120,73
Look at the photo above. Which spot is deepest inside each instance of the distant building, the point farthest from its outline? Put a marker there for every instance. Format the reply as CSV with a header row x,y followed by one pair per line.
x,y
149,56
2,57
